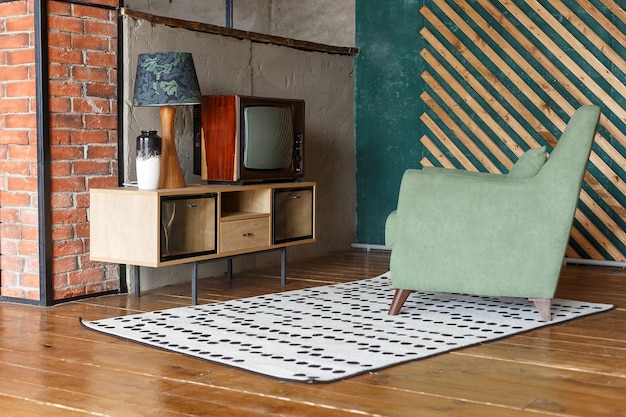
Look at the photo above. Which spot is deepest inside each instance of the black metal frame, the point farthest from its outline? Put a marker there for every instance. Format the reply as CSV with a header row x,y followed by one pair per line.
x,y
46,290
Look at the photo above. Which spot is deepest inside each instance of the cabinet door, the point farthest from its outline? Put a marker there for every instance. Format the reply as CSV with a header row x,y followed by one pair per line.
x,y
292,217
188,226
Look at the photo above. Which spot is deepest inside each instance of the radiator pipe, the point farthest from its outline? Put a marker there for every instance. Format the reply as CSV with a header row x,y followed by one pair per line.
x,y
571,261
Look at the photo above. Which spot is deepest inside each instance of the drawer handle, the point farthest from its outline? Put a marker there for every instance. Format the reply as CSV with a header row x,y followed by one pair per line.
x,y
247,234
190,205
293,197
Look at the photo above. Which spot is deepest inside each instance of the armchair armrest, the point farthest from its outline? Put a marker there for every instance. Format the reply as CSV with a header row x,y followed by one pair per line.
x,y
484,222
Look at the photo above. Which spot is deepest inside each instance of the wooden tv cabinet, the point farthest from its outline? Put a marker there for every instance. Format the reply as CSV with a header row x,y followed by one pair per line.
x,y
156,228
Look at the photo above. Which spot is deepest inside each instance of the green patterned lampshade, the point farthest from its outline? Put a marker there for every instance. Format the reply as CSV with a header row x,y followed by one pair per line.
x,y
166,79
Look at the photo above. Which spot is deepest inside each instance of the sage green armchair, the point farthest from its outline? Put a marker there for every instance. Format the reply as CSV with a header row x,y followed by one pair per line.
x,y
491,234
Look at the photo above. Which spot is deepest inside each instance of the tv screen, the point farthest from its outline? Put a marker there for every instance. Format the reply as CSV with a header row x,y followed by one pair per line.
x,y
268,137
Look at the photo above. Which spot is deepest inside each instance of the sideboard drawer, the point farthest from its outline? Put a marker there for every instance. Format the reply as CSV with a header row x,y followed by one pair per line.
x,y
244,234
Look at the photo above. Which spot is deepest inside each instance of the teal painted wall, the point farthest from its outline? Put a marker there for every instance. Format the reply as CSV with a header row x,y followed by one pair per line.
x,y
387,88
473,84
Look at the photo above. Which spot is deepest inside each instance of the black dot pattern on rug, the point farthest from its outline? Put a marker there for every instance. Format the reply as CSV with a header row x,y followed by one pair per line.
x,y
328,333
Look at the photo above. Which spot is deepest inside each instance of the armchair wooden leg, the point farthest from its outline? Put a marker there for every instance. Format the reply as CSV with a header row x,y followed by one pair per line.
x,y
543,306
398,301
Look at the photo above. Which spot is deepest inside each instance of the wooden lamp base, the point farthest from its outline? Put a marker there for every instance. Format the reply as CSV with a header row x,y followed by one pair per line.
x,y
171,174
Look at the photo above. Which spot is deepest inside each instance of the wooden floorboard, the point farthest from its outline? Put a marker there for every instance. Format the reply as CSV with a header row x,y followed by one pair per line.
x,y
51,366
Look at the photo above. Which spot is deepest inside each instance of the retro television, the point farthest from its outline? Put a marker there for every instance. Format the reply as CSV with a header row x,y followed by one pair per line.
x,y
246,139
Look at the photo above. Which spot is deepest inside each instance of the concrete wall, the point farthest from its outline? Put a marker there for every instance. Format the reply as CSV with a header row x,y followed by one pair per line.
x,y
328,22
227,65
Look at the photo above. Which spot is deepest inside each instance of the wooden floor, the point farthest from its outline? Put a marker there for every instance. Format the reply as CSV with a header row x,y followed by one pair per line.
x,y
51,366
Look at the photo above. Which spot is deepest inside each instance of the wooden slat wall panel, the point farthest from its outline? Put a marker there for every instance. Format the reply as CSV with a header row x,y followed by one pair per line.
x,y
501,76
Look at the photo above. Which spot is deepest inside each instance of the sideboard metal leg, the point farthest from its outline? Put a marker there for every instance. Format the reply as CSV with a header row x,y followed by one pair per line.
x,y
194,283
229,268
283,266
137,282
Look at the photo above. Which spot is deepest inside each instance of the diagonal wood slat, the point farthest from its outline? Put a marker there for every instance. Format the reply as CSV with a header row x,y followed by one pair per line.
x,y
501,76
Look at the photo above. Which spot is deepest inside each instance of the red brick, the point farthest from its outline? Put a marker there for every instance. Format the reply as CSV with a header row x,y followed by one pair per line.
x,y
22,183
82,73
89,136
15,199
10,231
14,105
63,232
60,169
60,137
29,280
64,264
65,89
66,247
8,247
20,23
30,232
82,230
65,153
14,40
87,167
20,89
61,200
65,24
112,76
90,105
59,8
91,12
102,182
101,59
31,264
15,168
14,136
68,292
27,247
13,8
29,216
101,90
82,199
22,152
15,72
89,43
17,121
66,120
70,184
59,39
12,263
102,152
20,56
9,215
101,121
59,280
9,279
60,105
111,3
65,56
101,28
85,276
59,71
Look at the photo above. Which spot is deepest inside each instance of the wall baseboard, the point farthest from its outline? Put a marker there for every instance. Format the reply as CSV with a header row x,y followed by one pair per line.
x,y
571,261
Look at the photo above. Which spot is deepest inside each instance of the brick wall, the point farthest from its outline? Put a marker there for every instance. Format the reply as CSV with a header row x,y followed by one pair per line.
x,y
83,144
19,260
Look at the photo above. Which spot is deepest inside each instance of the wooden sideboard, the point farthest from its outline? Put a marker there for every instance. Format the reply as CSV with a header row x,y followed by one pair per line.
x,y
156,228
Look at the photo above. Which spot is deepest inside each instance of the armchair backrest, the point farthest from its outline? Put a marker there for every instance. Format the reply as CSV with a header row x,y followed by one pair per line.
x,y
568,160
562,175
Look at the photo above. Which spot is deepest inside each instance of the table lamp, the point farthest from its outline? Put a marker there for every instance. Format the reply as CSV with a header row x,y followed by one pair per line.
x,y
167,79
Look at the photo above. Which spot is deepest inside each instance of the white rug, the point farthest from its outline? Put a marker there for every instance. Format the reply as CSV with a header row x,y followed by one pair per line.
x,y
329,333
